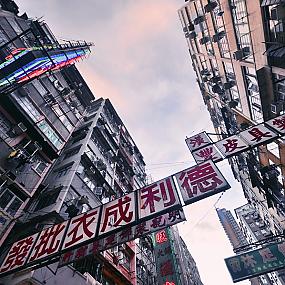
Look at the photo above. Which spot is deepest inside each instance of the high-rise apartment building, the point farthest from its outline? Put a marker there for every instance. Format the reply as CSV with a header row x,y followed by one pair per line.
x,y
174,263
237,53
61,151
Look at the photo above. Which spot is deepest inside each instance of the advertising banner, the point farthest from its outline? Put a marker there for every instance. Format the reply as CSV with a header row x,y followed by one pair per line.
x,y
256,262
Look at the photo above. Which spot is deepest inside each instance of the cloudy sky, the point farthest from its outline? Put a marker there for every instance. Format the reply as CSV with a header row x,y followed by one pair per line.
x,y
141,62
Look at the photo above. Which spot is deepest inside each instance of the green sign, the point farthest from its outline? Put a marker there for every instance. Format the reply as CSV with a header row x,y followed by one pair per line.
x,y
257,262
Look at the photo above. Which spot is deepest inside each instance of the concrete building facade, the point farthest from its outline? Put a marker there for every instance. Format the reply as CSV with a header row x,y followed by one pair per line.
x,y
236,48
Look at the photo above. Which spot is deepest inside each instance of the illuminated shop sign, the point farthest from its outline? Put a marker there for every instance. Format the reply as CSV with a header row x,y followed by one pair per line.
x,y
138,213
203,149
256,262
164,258
39,65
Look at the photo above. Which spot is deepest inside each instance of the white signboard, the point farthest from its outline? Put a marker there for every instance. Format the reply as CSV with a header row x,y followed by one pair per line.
x,y
258,135
118,213
157,197
198,141
200,181
231,145
82,228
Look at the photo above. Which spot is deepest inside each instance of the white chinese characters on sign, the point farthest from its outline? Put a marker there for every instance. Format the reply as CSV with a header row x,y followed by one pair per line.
x,y
200,181
277,124
198,141
81,228
231,145
207,153
258,135
18,254
117,213
157,197
49,242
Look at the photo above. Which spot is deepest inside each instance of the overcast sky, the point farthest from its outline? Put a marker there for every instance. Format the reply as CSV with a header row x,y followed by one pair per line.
x,y
141,62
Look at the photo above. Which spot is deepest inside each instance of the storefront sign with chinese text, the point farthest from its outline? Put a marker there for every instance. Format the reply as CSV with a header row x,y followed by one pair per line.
x,y
164,258
203,149
201,181
256,262
121,220
198,141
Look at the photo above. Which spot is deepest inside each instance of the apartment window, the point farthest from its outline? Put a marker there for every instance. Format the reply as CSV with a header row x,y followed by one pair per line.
x,y
241,28
50,134
253,93
56,108
28,106
71,152
9,202
15,26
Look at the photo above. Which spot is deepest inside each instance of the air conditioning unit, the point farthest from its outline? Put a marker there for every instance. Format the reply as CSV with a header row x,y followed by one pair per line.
x,y
19,129
58,85
277,13
276,107
109,154
238,55
210,6
101,165
98,191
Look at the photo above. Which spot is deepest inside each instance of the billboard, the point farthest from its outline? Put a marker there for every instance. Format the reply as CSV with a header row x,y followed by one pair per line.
x,y
136,231
257,262
36,65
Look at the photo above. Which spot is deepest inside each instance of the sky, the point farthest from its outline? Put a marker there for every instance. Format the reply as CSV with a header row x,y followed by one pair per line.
x,y
140,61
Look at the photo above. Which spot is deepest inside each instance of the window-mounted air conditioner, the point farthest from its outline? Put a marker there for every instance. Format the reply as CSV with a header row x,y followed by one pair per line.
x,y
58,85
98,191
276,107
19,129
241,53
210,6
